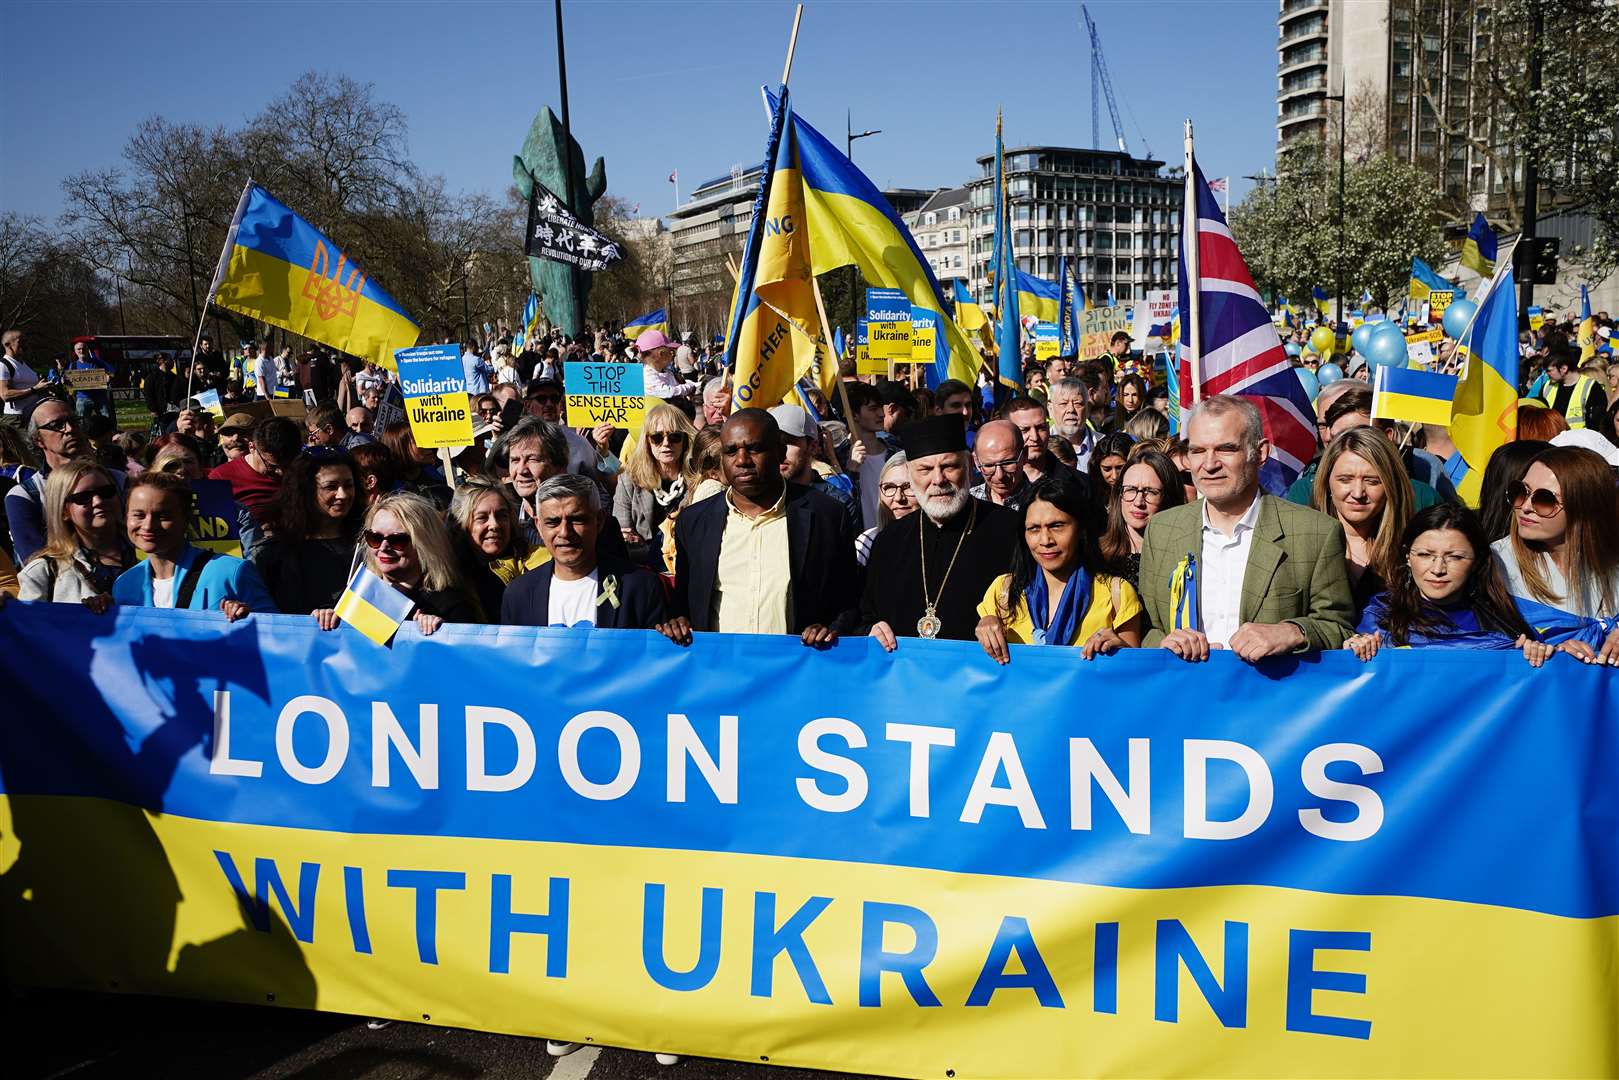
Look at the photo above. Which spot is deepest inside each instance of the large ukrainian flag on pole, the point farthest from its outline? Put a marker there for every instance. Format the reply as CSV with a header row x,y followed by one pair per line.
x,y
1485,413
774,321
1038,297
1003,268
279,269
850,223
1478,250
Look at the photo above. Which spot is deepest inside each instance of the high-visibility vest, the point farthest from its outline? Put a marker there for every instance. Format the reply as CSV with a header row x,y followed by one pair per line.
x,y
1576,401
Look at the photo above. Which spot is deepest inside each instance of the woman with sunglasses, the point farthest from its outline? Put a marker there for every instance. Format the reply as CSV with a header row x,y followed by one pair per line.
x,y
1561,558
1447,593
1055,594
174,574
314,523
85,547
1150,484
1506,467
895,500
1362,483
489,546
408,546
657,474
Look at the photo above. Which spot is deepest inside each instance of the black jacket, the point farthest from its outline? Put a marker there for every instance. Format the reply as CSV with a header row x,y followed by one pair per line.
x,y
820,559
641,605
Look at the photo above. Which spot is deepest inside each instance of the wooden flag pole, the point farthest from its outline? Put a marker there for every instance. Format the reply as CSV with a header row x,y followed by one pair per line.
x,y
792,43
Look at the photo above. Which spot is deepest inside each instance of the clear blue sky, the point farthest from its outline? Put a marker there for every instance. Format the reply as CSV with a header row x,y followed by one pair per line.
x,y
653,86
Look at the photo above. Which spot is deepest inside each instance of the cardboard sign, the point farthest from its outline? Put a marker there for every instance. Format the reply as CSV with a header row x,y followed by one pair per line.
x,y
1097,327
605,394
129,409
864,362
88,378
924,335
888,324
1047,341
435,391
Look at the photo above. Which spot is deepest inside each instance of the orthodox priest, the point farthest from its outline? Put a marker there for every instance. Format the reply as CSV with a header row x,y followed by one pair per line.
x,y
928,571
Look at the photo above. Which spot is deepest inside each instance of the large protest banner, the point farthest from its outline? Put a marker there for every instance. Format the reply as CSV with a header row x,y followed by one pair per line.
x,y
747,850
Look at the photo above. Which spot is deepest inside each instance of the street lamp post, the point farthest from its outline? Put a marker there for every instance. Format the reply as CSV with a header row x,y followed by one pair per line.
x,y
850,135
1343,126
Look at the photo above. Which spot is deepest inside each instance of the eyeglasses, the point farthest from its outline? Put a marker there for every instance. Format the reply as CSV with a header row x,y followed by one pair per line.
x,y
1002,466
658,438
1541,501
85,498
1131,493
895,491
546,399
488,412
1429,558
397,541
66,423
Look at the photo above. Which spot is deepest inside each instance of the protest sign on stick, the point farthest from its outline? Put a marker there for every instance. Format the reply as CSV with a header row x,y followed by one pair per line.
x,y
435,391
605,394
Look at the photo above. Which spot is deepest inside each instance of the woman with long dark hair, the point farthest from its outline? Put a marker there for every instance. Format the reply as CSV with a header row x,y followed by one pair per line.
x,y
1561,559
1055,594
314,524
1447,593
1506,467
1132,395
1150,483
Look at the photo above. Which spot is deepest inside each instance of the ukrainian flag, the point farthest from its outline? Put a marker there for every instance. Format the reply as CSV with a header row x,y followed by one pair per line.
x,y
372,606
847,222
1411,395
278,269
1587,333
652,320
1322,303
1424,281
969,316
1478,250
774,322
1003,268
1073,305
1038,297
1484,416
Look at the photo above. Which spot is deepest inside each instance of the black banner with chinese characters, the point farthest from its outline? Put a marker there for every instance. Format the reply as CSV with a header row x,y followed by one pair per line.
x,y
555,234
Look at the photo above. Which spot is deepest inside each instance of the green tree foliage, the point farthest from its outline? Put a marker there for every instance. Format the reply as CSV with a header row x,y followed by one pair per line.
x,y
1288,231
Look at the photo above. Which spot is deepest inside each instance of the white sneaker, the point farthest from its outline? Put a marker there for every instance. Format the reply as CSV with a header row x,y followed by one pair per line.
x,y
560,1049
667,1059
377,1024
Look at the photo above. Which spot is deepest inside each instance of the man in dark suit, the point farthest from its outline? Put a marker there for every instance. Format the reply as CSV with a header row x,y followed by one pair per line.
x,y
579,586
766,557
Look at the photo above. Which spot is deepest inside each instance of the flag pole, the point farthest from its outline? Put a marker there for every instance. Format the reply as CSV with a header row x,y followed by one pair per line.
x,y
792,43
219,275
1189,240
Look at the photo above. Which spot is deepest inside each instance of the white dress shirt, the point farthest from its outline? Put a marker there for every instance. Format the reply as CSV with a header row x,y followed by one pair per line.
x,y
1223,565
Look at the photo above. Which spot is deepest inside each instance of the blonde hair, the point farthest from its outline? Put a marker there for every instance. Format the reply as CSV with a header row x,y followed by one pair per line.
x,y
428,535
61,538
1373,447
641,468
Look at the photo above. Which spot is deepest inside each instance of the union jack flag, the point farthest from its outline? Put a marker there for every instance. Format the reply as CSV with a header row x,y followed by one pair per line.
x,y
1239,352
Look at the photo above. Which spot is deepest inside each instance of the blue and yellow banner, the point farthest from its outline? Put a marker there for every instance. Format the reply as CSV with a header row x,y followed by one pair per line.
x,y
747,850
279,269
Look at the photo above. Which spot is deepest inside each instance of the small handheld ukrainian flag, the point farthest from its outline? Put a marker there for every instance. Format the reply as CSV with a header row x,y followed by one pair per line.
x,y
1416,397
1478,250
372,606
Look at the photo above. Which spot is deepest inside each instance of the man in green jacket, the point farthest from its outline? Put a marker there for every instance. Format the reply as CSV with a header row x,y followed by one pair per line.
x,y
1238,569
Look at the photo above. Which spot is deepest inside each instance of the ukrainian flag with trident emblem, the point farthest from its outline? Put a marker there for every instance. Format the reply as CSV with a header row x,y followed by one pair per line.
x,y
279,269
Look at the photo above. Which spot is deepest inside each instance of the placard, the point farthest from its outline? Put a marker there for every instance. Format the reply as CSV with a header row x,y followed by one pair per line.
x,y
1537,318
1438,301
129,409
1047,341
209,399
1097,326
435,390
87,378
864,363
924,335
605,394
888,324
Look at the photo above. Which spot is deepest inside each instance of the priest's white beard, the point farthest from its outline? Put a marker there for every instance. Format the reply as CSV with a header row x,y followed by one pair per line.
x,y
941,502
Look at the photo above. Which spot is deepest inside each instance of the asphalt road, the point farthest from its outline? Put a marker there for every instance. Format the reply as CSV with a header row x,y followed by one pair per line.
x,y
104,1037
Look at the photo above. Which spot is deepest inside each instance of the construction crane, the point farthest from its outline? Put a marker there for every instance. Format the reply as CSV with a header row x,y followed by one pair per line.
x,y
1102,83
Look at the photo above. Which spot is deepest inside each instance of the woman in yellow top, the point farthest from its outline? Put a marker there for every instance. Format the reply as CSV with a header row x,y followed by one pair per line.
x,y
1052,597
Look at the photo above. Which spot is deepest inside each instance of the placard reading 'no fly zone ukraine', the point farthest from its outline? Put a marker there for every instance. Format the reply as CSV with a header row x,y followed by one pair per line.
x,y
605,394
435,390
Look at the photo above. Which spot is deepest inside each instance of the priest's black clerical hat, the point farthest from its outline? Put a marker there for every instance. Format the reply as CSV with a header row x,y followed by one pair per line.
x,y
945,434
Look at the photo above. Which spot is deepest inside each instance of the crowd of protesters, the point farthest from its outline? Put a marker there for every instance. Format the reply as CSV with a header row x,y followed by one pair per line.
x,y
1062,514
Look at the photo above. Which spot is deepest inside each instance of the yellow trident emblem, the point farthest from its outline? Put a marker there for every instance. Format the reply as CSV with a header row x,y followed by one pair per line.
x,y
332,295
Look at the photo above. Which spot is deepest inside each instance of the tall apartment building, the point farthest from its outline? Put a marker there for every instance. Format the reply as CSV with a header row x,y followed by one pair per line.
x,y
1115,215
1405,67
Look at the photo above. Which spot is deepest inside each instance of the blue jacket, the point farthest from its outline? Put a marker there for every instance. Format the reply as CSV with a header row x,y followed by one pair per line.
x,y
225,577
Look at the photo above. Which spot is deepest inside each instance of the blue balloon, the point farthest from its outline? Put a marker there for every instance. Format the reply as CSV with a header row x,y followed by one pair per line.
x,y
1457,316
1387,347
1312,386
1327,374
1292,348
1361,336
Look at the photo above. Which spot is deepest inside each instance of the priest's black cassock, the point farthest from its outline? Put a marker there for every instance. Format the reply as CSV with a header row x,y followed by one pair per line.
x,y
894,568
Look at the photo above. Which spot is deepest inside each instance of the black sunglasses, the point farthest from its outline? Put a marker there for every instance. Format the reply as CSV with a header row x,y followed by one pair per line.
x,y
85,498
397,541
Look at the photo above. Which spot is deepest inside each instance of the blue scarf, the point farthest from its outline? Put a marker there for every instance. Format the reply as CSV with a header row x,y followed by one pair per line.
x,y
1071,607
1555,625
